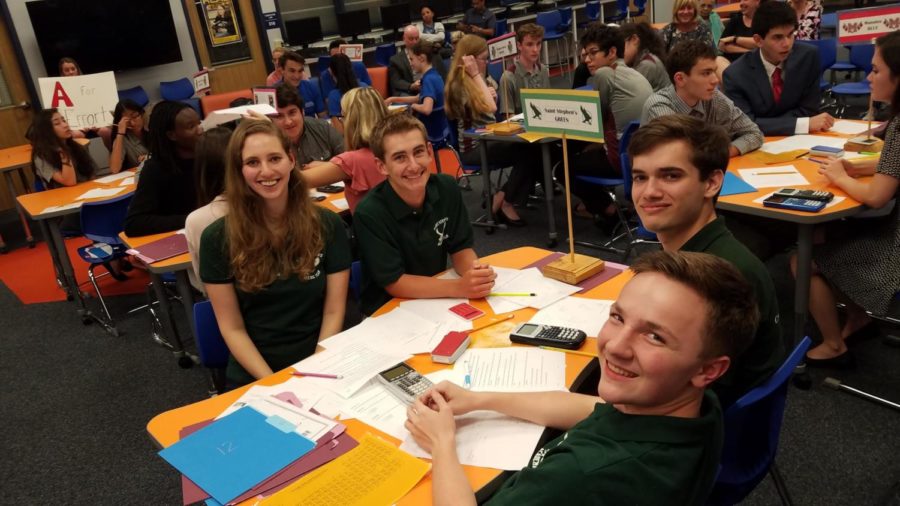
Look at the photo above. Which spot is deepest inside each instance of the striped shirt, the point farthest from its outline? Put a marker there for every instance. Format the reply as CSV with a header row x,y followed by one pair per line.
x,y
745,135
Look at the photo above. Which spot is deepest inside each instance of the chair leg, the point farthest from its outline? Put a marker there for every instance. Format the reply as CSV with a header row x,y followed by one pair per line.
x,y
99,294
780,486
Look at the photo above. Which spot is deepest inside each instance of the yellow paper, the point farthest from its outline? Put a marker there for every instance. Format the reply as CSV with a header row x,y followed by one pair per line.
x,y
770,158
534,136
374,473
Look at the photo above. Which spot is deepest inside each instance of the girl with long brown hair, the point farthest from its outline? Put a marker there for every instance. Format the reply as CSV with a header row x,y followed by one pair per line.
x,y
276,267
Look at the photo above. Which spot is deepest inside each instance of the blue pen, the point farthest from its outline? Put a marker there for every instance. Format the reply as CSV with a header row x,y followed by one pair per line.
x,y
467,382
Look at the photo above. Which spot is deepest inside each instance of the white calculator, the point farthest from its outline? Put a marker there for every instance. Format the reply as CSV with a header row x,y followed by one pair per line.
x,y
404,382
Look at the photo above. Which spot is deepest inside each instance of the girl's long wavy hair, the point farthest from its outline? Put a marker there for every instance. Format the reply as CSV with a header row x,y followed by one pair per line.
x,y
259,252
463,99
48,147
363,109
650,40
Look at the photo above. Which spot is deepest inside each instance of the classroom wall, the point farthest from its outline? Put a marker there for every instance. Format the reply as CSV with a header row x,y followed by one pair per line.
x,y
324,10
149,78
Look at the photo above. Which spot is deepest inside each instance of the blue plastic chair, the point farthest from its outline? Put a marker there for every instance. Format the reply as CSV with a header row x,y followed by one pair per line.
x,y
102,222
355,285
621,12
437,128
591,12
181,90
210,345
551,20
827,58
861,58
752,430
383,54
565,15
501,28
138,94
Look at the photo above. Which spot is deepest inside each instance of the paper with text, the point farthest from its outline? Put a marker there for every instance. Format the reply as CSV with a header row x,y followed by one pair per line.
x,y
581,313
783,176
399,332
375,406
514,369
546,290
375,472
356,362
98,193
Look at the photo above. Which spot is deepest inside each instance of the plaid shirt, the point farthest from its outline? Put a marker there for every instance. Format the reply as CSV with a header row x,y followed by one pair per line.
x,y
745,135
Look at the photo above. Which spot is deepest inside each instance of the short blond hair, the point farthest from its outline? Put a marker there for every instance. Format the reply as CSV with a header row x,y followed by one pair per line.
x,y
678,4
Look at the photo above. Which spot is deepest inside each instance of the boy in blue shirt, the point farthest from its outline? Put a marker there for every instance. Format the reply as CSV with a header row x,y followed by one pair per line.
x,y
292,66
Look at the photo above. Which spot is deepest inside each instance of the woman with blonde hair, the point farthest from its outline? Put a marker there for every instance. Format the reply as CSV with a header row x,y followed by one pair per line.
x,y
276,267
472,103
363,108
686,24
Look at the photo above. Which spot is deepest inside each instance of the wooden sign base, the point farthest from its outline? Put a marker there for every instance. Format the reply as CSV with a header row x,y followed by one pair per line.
x,y
563,269
863,143
507,128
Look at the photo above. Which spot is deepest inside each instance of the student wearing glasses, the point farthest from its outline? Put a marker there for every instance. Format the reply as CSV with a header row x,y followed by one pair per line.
x,y
129,136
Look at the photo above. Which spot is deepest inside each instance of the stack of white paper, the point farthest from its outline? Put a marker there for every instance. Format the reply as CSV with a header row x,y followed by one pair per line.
x,y
851,127
99,193
356,363
783,176
546,290
216,118
400,332
515,369
581,313
375,406
794,142
112,178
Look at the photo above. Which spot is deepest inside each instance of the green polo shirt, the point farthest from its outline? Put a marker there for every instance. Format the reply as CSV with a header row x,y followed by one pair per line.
x,y
284,318
766,352
614,458
395,239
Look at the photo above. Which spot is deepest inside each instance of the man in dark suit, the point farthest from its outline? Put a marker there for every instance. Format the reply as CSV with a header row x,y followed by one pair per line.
x,y
777,85
403,81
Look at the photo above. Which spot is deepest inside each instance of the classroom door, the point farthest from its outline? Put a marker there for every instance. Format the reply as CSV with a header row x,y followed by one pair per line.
x,y
14,120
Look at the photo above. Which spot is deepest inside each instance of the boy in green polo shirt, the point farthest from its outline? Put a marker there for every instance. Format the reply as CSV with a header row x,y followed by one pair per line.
x,y
657,439
409,224
679,164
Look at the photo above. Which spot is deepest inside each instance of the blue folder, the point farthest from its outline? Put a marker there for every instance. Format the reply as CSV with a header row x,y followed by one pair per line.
x,y
235,453
734,185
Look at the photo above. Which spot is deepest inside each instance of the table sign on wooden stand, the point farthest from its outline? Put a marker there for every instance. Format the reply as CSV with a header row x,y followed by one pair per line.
x,y
566,113
499,49
866,143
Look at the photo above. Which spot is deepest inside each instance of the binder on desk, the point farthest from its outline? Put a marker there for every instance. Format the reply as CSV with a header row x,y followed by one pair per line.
x,y
167,247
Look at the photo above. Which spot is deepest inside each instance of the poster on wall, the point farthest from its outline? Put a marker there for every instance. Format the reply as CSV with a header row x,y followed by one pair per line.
x,y
221,22
223,31
86,101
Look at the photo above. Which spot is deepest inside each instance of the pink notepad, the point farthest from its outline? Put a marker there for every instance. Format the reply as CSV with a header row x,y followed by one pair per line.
x,y
164,248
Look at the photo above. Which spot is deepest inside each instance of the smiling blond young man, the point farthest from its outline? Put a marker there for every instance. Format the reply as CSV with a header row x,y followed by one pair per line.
x,y
656,439
678,168
694,91
410,224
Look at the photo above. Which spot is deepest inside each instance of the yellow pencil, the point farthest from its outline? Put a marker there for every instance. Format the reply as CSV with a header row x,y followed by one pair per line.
x,y
574,352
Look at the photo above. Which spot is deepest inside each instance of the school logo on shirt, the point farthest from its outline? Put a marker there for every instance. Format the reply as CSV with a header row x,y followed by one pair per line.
x,y
316,272
539,456
439,229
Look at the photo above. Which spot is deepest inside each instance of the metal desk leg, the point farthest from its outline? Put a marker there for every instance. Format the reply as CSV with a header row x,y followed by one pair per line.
x,y
187,301
165,311
13,194
65,264
54,257
548,194
487,193
801,297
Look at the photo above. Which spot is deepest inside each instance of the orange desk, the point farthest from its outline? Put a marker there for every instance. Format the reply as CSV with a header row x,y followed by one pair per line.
x,y
743,203
728,9
15,159
179,266
164,428
37,206
328,203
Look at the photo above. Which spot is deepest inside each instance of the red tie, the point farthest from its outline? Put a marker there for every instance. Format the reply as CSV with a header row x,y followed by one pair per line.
x,y
777,84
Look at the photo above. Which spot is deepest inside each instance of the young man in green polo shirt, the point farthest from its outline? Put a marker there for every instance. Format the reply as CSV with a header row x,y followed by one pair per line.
x,y
657,438
408,225
679,164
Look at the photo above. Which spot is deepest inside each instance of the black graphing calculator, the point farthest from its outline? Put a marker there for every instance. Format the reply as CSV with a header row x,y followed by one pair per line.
x,y
810,206
404,382
821,195
547,335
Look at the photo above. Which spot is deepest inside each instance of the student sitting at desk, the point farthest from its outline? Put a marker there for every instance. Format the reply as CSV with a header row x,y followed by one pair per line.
x,y
431,88
209,175
777,85
430,30
55,156
526,72
472,102
344,80
644,52
165,192
654,434
403,78
737,37
276,267
692,67
859,262
363,110
623,92
408,225
313,140
678,166
479,20
129,145
292,65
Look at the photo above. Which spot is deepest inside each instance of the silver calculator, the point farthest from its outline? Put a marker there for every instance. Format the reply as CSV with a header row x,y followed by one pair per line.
x,y
404,382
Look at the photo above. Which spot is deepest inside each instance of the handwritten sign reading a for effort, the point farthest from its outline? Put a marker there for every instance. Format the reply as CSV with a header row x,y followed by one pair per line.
x,y
502,46
863,25
554,112
85,101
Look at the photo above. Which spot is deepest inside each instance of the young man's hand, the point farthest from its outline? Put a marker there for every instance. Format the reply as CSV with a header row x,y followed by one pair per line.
x,y
460,400
821,122
431,426
477,282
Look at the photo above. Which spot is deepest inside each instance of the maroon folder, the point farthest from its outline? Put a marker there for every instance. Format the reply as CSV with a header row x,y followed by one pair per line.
x,y
162,249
